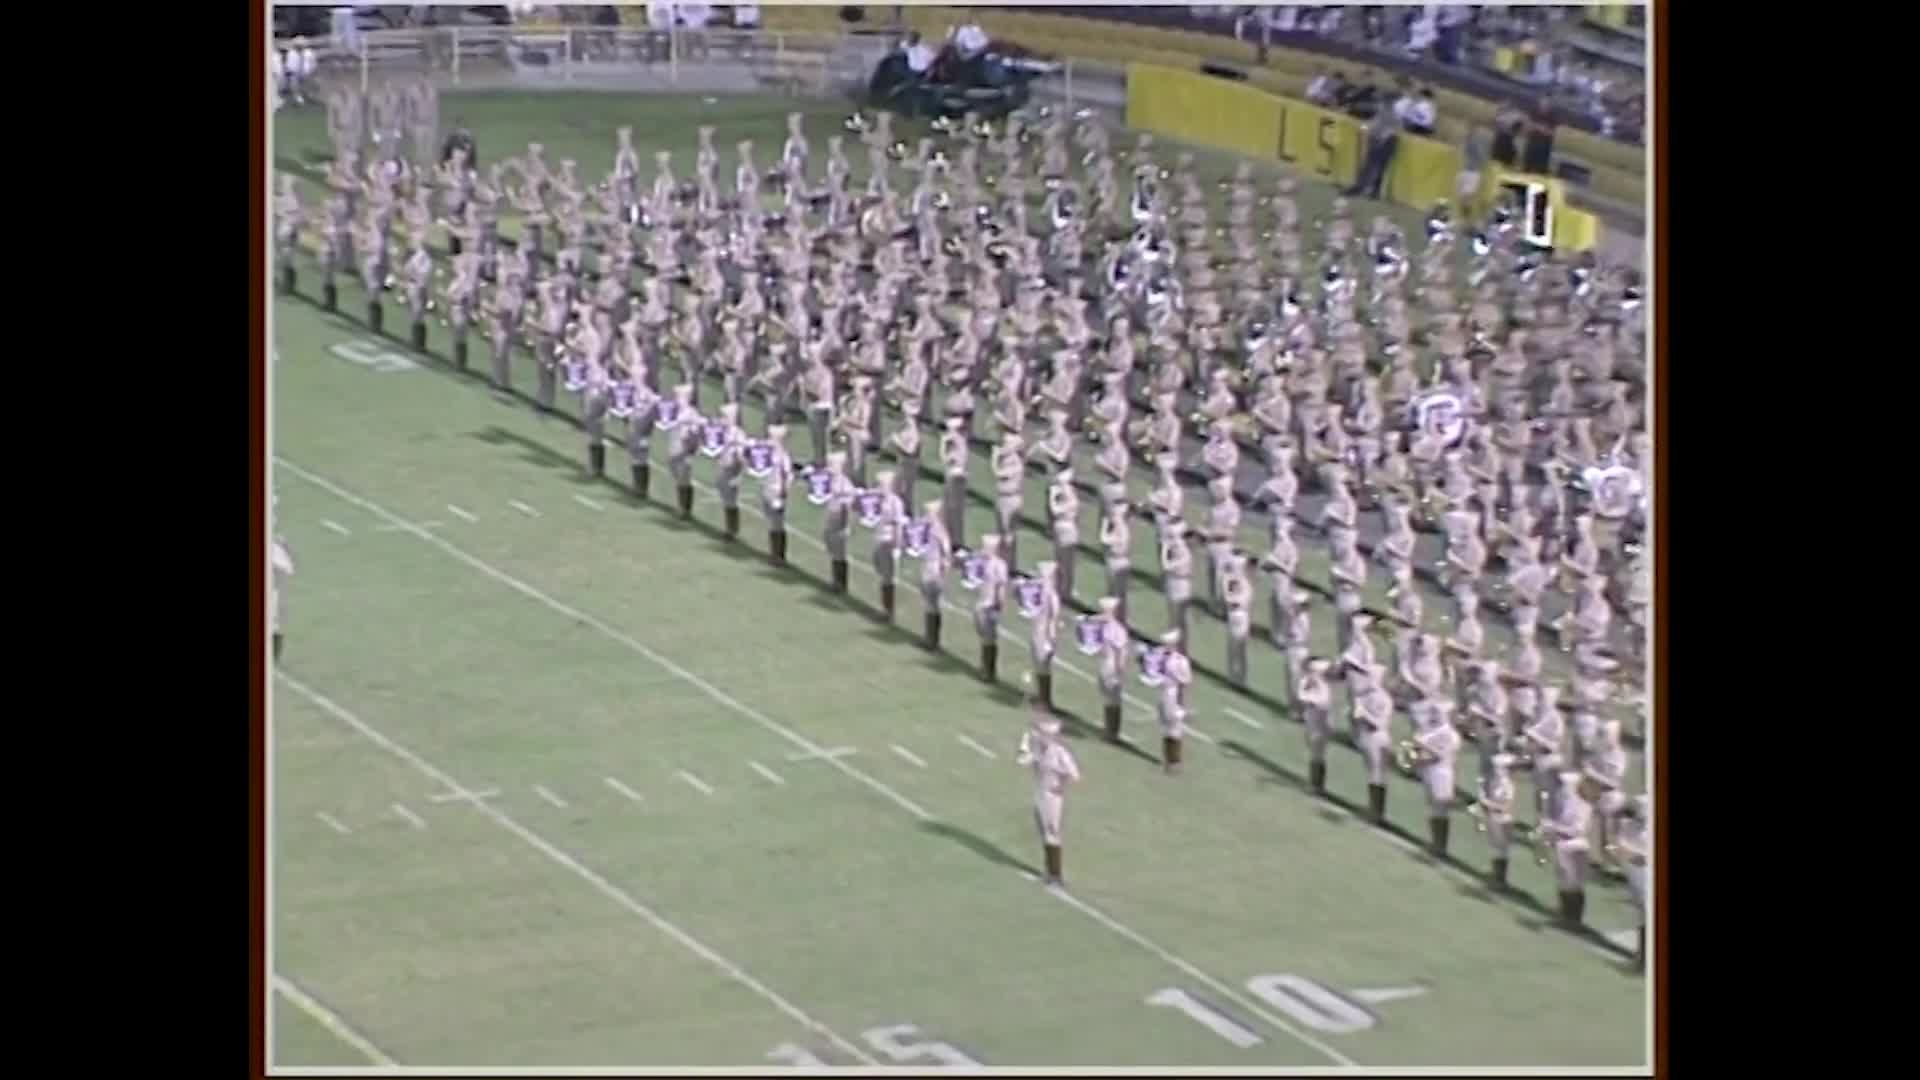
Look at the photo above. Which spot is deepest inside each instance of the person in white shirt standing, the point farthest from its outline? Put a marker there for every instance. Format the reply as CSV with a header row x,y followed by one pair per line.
x,y
304,73
1054,769
282,561
276,76
920,55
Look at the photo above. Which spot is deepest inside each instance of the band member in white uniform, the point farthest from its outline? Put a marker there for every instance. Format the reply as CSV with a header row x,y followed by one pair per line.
x,y
1237,594
838,511
1439,744
990,598
1544,737
1116,538
953,462
1176,568
1313,705
728,466
1633,850
683,446
1565,834
886,537
1112,671
282,561
1372,732
1280,562
935,562
1173,699
1494,808
1043,633
1054,769
1063,511
774,488
1009,493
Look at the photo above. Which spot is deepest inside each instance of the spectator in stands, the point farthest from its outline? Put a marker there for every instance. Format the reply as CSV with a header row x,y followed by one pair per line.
x,y
1421,114
1383,138
746,16
920,55
970,40
1537,155
694,20
659,20
1508,123
1324,90
276,77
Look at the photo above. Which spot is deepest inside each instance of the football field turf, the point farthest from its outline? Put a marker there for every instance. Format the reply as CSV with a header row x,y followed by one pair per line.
x,y
560,780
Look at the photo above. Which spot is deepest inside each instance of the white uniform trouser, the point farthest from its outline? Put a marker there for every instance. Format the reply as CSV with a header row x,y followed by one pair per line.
x,y
1319,728
1438,780
1375,744
1570,866
1049,813
1173,718
986,620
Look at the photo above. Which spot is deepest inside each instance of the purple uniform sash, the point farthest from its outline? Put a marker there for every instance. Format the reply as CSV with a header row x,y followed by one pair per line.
x,y
1153,665
759,458
919,537
1090,633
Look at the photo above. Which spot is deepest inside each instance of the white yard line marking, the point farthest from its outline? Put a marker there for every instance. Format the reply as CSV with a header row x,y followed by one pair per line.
x,y
422,524
334,824
462,796
1382,996
549,796
336,526
523,508
908,755
489,570
768,773
607,888
802,742
977,748
697,783
461,514
1245,719
411,818
1201,735
831,755
622,788
588,503
326,1018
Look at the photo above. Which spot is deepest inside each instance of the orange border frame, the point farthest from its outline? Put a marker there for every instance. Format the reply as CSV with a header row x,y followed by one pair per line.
x,y
258,666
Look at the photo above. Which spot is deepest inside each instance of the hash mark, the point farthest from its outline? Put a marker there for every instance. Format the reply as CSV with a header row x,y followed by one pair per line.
x,y
1201,735
622,789
333,824
698,783
549,796
588,503
977,748
412,818
908,754
523,508
834,752
461,514
336,526
768,773
463,796
1245,719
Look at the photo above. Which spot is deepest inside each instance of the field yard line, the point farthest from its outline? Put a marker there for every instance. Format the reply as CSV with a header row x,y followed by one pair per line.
x,y
584,619
695,782
461,514
1244,718
588,503
326,1018
412,818
334,823
608,888
335,526
622,788
523,508
768,773
785,732
550,796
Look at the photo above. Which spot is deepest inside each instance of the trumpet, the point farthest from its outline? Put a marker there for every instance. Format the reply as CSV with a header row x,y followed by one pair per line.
x,y
1410,755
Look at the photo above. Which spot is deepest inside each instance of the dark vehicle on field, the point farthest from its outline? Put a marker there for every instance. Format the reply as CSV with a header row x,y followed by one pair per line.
x,y
989,84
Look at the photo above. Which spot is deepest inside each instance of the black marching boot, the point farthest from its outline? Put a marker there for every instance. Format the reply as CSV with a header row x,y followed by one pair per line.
x,y
417,337
287,279
1317,777
839,575
460,354
732,516
1499,874
597,459
990,663
1377,803
641,474
329,297
1439,828
280,639
375,315
1112,718
1045,683
777,545
886,600
686,501
932,625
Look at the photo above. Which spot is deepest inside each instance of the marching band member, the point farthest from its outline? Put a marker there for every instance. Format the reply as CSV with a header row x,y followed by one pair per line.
x,y
1313,706
419,269
1054,769
682,447
1176,568
1220,531
935,560
1494,808
1633,848
1372,732
1063,511
774,486
1009,486
1564,834
1349,572
906,445
593,406
1044,632
886,536
729,464
1280,562
548,347
1112,462
1604,773
1168,497
1116,538
1176,677
817,384
1110,644
1438,746
855,424
990,599
840,492
282,562
1237,594
953,461
1543,737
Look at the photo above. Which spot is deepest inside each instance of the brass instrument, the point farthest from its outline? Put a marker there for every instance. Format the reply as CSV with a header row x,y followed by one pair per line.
x,y
1410,755
1543,844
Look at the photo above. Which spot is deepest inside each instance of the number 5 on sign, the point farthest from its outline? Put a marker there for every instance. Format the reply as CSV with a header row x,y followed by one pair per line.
x,y
373,356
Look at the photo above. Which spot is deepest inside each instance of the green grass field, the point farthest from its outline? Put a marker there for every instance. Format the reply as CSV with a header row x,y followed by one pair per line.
x,y
562,781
